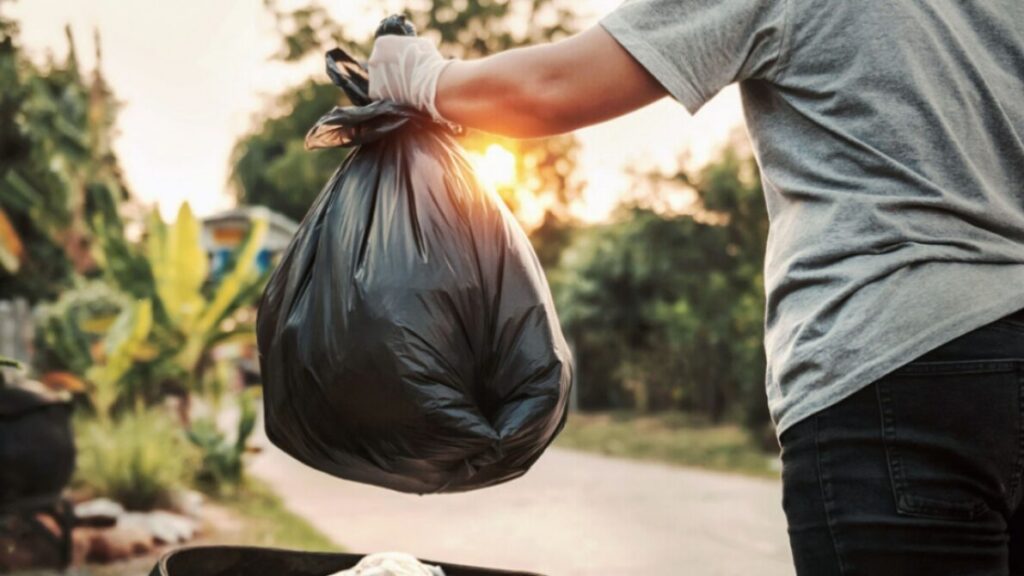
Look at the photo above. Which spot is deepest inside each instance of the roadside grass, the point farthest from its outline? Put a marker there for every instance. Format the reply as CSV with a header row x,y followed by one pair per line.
x,y
671,438
263,520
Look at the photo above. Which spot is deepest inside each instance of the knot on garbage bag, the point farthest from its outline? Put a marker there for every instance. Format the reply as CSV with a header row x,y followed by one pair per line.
x,y
366,120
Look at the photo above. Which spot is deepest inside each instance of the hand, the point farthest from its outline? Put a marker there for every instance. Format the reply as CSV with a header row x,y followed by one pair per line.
x,y
405,69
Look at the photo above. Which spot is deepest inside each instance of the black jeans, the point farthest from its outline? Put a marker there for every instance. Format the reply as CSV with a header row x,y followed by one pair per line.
x,y
920,472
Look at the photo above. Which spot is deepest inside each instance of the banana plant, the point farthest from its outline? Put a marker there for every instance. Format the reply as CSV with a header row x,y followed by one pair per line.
x,y
124,344
179,266
168,318
180,269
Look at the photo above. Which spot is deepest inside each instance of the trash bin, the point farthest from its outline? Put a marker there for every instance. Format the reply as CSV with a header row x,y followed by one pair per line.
x,y
251,561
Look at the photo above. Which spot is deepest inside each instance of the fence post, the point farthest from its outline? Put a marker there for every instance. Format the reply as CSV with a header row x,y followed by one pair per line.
x,y
7,329
16,330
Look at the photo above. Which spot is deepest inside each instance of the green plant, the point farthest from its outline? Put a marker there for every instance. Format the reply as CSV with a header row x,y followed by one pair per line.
x,y
170,268
664,308
179,266
68,330
221,467
137,458
100,333
148,326
123,344
57,126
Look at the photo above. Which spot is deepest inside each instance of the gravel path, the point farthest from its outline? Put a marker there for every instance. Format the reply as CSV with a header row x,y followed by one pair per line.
x,y
573,514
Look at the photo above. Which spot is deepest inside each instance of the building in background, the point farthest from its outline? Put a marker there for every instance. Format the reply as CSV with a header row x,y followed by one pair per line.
x,y
224,232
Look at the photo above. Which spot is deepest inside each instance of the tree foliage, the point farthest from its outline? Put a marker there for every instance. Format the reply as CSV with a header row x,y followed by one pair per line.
x,y
270,166
57,166
665,311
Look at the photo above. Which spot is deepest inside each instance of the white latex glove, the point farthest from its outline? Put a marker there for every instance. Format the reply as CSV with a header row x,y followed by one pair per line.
x,y
405,69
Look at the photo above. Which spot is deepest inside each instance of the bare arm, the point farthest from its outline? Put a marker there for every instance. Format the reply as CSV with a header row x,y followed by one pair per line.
x,y
546,89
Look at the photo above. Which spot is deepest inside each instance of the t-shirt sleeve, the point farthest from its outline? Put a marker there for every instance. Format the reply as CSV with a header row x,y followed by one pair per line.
x,y
694,48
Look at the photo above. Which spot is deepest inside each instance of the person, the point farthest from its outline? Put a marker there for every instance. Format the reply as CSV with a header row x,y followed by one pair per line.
x,y
889,139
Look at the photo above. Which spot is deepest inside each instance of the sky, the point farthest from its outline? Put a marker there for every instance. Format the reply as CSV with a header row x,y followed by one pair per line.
x,y
191,74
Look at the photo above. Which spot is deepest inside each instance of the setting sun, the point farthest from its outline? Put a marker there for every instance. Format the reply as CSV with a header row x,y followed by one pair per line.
x,y
496,167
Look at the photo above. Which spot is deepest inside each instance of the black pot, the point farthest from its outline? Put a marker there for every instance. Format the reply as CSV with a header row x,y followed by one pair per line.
x,y
246,561
37,448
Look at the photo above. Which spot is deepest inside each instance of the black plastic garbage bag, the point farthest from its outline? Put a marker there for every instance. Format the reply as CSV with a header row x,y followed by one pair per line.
x,y
408,337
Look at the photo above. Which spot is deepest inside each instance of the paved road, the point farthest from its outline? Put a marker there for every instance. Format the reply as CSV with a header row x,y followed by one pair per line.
x,y
573,514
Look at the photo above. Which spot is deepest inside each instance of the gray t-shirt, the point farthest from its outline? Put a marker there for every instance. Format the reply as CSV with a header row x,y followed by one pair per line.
x,y
889,136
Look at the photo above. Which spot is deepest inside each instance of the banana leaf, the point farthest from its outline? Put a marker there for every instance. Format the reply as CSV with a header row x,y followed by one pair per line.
x,y
120,347
180,268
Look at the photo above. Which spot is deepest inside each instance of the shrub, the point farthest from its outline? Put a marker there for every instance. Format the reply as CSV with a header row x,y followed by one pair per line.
x,y
69,329
222,466
138,458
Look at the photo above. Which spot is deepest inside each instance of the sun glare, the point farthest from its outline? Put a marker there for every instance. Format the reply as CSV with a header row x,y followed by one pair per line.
x,y
496,167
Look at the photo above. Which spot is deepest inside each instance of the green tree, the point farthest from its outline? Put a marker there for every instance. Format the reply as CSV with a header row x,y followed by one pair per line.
x,y
621,297
270,166
56,129
665,311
